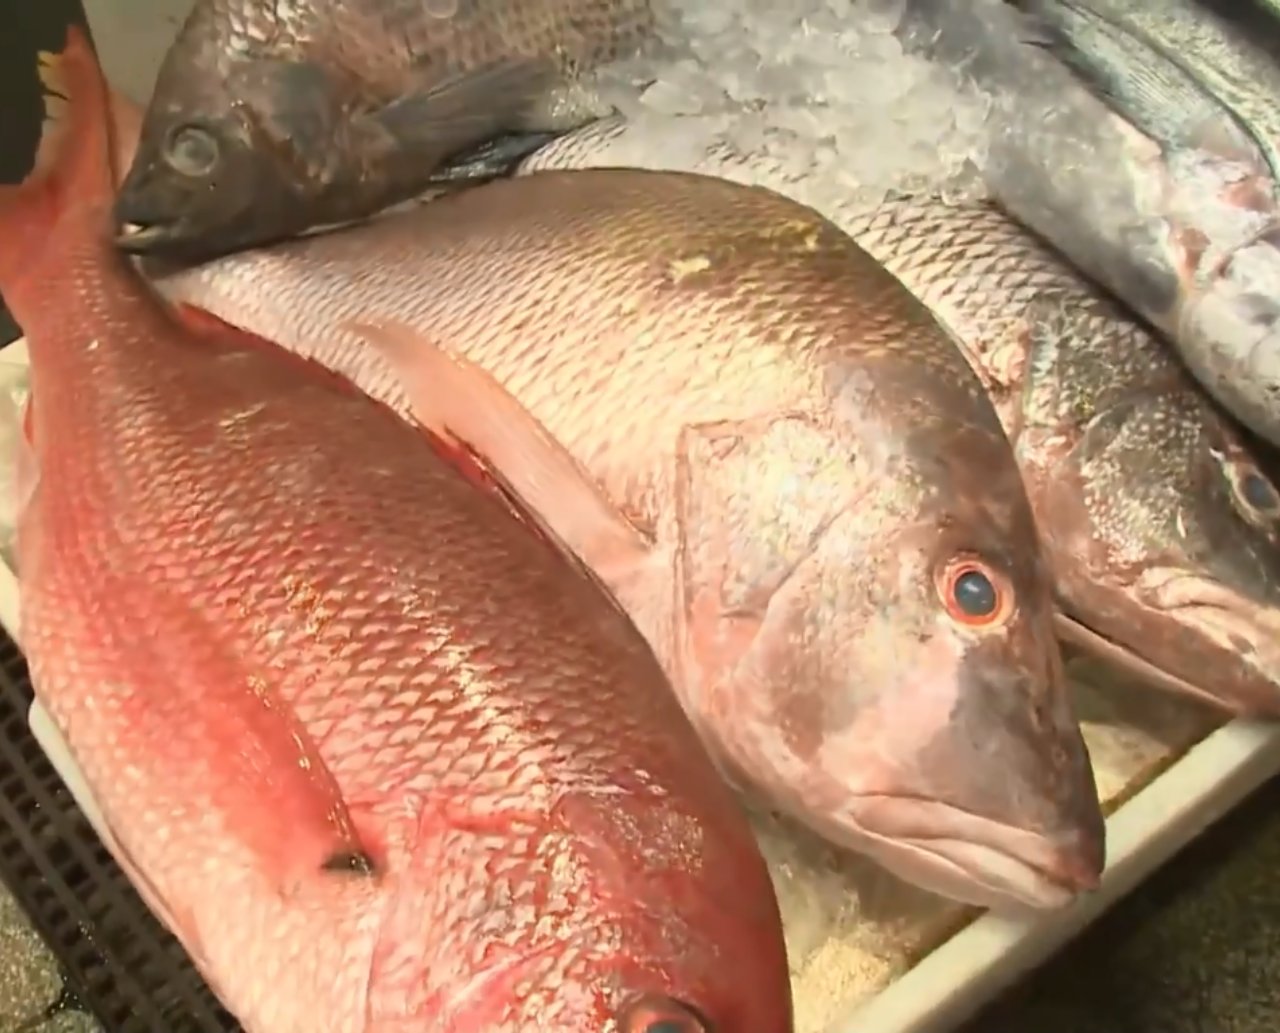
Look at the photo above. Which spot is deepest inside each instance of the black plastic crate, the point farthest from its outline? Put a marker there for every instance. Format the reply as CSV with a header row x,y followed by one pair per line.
x,y
118,961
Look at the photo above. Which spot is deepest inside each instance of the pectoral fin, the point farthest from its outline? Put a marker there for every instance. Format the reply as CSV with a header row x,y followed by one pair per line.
x,y
204,706
493,159
461,112
456,399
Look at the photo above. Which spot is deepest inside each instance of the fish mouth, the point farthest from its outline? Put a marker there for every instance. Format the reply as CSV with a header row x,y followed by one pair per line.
x,y
1222,622
977,860
139,237
1186,634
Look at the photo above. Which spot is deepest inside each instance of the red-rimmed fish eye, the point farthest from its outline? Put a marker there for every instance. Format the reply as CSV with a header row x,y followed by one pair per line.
x,y
192,150
656,1013
1254,492
973,592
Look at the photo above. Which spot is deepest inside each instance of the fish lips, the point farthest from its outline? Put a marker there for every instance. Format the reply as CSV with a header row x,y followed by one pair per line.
x,y
1191,634
971,779
159,211
141,238
977,860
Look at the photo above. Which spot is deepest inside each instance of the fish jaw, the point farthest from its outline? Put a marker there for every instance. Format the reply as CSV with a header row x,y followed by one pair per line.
x,y
974,860
1203,637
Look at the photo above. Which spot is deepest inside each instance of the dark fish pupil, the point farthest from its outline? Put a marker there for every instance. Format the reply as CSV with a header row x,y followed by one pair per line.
x,y
667,1026
975,594
1258,491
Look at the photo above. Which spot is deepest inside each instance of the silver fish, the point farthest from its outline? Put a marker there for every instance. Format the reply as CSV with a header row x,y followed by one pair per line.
x,y
1165,192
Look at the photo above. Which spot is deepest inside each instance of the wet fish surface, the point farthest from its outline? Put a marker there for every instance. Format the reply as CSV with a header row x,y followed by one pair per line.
x,y
378,755
268,120
1140,140
1160,527
778,462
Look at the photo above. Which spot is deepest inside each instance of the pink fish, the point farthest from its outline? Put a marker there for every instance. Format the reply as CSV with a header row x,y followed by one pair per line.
x,y
382,759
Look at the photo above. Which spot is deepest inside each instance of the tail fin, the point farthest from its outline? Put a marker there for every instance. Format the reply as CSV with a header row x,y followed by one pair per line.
x,y
74,159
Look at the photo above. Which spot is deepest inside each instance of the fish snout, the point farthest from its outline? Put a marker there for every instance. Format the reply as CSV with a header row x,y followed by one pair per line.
x,y
149,214
1223,643
976,783
1075,859
1013,758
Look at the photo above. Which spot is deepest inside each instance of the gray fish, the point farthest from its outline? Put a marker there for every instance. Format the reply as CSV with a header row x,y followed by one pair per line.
x,y
1161,530
272,119
1157,180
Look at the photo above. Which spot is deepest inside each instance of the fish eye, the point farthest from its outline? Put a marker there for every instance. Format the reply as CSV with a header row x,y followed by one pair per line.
x,y
1255,491
656,1013
973,592
192,150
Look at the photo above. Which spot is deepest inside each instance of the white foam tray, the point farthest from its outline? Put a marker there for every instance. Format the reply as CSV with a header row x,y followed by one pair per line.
x,y
948,985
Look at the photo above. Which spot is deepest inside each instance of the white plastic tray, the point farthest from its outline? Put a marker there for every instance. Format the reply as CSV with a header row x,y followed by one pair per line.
x,y
950,983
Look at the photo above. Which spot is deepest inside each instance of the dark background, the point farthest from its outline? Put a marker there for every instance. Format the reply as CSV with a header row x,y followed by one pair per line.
x,y
1196,950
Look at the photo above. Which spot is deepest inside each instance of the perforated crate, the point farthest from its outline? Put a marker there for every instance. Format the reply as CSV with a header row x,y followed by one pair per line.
x,y
119,962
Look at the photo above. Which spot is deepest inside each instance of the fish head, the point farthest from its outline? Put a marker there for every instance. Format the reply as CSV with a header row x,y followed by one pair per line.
x,y
220,164
901,689
1167,543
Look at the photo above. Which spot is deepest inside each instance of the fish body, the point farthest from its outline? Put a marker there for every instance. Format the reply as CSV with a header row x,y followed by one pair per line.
x,y
268,120
1140,141
776,459
1160,528
379,756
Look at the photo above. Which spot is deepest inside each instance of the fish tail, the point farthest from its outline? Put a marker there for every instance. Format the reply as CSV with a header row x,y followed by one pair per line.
x,y
73,159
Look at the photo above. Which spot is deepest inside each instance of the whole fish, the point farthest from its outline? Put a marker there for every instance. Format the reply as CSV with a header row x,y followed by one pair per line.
x,y
1161,530
270,119
1165,193
776,459
381,758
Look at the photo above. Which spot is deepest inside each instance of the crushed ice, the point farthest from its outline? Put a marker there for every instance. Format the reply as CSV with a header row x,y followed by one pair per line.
x,y
817,88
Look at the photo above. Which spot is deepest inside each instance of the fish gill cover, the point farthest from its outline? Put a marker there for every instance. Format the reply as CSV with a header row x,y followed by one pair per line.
x,y
118,961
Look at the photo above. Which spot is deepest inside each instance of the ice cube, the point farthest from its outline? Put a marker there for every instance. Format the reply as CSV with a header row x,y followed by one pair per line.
x,y
879,16
683,89
879,48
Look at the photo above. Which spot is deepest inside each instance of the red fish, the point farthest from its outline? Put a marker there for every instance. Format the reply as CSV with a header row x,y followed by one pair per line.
x,y
382,760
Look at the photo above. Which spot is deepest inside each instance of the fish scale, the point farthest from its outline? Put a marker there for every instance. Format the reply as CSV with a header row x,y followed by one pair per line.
x,y
379,757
